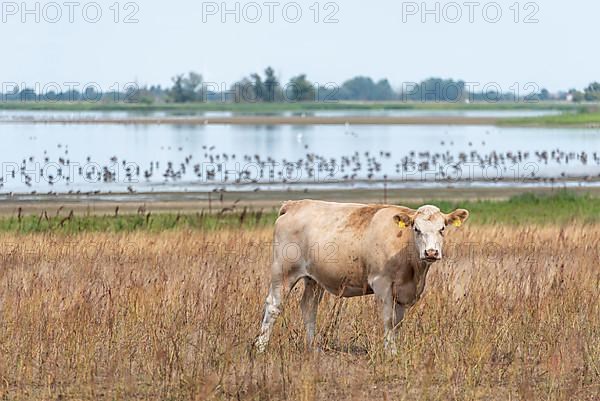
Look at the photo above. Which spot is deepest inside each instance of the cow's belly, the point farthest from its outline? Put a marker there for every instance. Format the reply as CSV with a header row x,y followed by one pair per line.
x,y
345,281
346,291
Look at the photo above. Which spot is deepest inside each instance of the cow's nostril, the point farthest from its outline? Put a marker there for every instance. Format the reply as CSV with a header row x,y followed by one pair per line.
x,y
431,253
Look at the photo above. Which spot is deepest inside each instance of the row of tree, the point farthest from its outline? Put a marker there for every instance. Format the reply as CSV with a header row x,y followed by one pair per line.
x,y
590,94
268,88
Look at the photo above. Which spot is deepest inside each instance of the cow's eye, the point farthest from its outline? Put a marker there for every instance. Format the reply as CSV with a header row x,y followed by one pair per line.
x,y
417,230
442,231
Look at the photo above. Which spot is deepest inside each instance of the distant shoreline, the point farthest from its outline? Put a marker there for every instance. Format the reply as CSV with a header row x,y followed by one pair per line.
x,y
578,121
571,114
169,202
262,107
268,120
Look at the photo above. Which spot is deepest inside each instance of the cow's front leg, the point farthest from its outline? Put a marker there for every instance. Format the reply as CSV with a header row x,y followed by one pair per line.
x,y
393,313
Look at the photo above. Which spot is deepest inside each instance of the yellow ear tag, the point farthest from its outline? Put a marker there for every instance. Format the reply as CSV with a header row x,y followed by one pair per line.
x,y
457,223
401,224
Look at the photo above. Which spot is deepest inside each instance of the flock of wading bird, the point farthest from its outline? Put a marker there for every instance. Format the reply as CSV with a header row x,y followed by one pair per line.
x,y
213,167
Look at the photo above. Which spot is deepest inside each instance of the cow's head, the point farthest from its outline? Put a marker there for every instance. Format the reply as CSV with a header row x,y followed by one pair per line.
x,y
428,225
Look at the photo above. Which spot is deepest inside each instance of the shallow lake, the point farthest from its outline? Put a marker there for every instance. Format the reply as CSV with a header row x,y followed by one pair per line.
x,y
62,158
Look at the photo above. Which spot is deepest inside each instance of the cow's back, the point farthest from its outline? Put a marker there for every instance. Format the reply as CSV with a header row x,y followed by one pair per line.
x,y
318,221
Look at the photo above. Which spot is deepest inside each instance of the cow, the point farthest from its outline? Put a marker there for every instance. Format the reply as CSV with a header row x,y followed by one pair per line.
x,y
350,250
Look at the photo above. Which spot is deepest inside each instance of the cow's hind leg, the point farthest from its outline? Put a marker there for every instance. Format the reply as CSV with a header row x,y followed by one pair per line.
x,y
313,293
271,312
281,285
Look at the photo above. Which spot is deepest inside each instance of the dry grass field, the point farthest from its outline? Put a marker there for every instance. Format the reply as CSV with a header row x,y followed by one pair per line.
x,y
513,313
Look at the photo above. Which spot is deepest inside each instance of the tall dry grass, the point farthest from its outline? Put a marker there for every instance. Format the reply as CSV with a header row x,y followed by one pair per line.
x,y
513,313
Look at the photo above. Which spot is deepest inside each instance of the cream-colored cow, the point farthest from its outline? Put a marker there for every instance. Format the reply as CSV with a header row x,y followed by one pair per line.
x,y
350,250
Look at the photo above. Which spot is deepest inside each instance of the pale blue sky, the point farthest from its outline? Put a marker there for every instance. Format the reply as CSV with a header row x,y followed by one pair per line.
x,y
558,52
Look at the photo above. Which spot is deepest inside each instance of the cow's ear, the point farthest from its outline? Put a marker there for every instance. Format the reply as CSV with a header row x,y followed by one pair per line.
x,y
457,217
403,220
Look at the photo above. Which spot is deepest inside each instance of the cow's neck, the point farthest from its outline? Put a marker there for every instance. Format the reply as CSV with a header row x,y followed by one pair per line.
x,y
420,276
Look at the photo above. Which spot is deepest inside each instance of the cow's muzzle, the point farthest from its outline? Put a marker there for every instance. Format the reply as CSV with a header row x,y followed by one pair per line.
x,y
431,255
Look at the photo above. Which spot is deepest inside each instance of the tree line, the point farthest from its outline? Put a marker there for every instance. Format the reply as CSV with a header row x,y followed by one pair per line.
x,y
268,88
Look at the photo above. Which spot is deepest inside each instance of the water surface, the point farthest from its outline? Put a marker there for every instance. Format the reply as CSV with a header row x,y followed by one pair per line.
x,y
62,158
